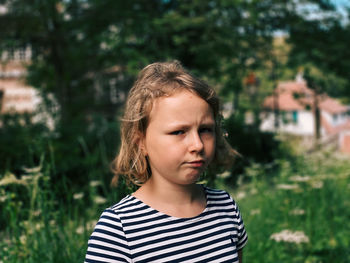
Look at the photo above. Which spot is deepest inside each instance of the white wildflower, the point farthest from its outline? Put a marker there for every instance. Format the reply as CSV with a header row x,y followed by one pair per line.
x,y
23,239
32,170
297,212
3,198
103,46
317,184
52,222
31,177
78,196
38,226
253,191
27,177
299,178
287,186
290,236
254,170
113,29
224,174
80,36
36,212
241,195
67,17
255,212
95,183
100,200
24,223
79,230
10,178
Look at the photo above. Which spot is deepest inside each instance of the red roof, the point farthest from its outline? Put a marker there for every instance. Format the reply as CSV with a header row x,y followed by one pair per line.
x,y
294,87
285,102
332,106
295,95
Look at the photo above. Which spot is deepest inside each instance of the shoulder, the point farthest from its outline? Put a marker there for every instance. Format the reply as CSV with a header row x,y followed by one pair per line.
x,y
221,198
124,204
217,194
111,218
214,191
128,204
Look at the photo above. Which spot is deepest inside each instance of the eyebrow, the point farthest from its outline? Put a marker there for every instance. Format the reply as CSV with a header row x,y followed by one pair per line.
x,y
184,125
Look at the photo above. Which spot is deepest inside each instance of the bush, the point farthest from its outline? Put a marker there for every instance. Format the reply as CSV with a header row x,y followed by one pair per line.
x,y
253,145
22,142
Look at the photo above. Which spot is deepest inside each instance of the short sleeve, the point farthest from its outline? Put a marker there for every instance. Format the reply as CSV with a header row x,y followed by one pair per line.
x,y
108,243
242,234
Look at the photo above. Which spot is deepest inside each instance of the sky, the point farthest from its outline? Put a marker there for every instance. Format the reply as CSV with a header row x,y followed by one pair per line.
x,y
341,6
341,2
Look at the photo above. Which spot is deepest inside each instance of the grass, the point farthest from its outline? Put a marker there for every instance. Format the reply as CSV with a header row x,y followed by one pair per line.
x,y
309,197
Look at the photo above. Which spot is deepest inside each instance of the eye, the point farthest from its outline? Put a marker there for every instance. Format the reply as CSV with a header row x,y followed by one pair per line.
x,y
179,132
206,130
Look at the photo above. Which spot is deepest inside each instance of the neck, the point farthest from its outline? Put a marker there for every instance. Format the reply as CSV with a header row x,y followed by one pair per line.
x,y
181,201
170,193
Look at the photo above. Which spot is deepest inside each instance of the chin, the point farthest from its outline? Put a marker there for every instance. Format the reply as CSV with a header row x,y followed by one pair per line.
x,y
192,179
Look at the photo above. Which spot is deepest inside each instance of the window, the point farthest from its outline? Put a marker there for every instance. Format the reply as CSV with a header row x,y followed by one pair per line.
x,y
11,53
14,52
335,118
22,53
295,116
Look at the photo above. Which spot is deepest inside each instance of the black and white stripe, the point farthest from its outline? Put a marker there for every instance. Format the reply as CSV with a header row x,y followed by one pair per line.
x,y
131,231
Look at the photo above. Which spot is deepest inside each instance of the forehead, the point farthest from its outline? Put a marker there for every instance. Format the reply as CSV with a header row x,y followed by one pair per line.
x,y
181,106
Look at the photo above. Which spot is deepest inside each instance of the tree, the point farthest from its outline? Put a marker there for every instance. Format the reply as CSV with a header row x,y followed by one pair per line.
x,y
324,43
76,41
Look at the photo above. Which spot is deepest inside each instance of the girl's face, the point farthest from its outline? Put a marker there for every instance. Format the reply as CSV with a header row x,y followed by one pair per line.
x,y
180,138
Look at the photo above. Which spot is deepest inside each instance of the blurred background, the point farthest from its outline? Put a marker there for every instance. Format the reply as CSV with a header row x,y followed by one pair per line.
x,y
280,67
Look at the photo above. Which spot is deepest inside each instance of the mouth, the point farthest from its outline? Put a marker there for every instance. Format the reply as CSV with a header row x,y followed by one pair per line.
x,y
197,163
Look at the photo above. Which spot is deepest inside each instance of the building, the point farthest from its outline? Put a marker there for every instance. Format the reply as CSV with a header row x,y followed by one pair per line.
x,y
292,109
15,94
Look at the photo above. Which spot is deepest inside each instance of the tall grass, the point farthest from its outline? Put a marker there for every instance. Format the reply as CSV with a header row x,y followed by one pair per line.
x,y
310,198
301,214
43,228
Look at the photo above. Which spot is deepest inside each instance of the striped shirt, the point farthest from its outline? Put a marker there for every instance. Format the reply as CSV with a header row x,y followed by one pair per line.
x,y
131,231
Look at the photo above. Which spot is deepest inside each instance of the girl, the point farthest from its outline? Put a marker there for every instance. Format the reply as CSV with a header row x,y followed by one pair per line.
x,y
170,135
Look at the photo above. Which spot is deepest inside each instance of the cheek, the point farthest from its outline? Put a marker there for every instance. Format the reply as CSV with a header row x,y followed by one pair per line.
x,y
161,147
211,149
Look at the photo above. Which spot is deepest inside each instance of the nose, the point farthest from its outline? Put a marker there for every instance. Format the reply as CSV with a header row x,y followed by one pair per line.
x,y
196,143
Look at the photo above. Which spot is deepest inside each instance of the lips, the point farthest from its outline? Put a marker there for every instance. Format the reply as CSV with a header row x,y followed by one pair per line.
x,y
197,163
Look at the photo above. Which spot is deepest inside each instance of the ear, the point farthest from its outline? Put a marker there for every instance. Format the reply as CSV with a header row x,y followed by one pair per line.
x,y
140,141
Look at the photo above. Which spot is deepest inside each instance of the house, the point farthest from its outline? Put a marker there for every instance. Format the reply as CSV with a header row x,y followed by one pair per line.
x,y
108,90
292,109
15,94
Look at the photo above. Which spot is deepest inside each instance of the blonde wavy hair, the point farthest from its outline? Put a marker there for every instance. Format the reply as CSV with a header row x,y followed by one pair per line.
x,y
154,81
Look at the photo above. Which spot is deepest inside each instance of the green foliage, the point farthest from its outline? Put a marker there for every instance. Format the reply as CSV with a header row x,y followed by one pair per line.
x,y
49,217
309,198
22,142
253,145
39,226
74,159
325,45
73,43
